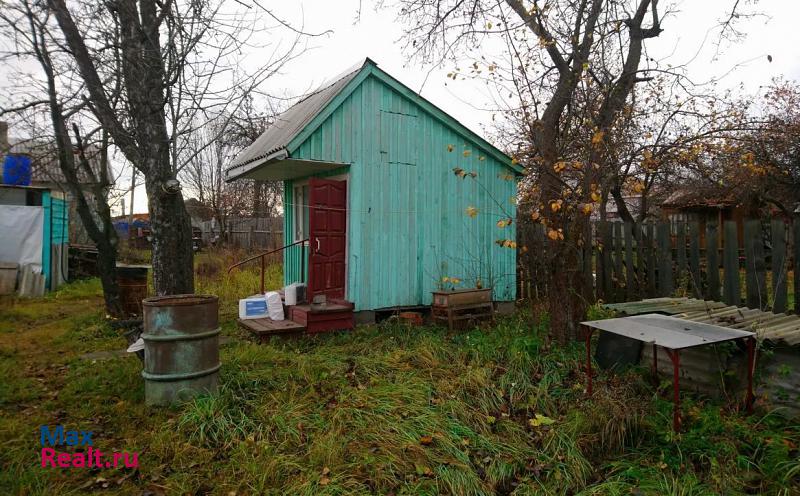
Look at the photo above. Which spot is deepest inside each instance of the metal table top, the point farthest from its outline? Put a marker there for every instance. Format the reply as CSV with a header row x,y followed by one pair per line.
x,y
668,332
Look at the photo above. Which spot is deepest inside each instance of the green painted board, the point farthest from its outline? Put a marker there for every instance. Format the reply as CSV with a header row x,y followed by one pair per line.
x,y
779,269
712,261
731,293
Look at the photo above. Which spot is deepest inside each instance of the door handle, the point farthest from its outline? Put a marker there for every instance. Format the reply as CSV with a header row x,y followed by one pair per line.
x,y
317,240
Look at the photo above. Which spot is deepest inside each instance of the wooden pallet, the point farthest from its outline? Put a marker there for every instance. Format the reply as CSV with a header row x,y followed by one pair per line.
x,y
456,315
264,328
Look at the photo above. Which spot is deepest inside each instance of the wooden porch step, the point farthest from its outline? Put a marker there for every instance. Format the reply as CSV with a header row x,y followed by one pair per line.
x,y
266,327
335,316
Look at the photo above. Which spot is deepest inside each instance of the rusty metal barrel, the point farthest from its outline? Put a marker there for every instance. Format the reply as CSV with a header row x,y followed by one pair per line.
x,y
181,347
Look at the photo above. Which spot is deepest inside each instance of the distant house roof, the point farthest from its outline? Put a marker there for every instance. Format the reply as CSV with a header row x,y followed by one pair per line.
x,y
290,127
45,167
700,198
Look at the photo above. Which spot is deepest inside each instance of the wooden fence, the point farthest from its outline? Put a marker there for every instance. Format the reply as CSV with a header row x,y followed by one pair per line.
x,y
251,233
756,263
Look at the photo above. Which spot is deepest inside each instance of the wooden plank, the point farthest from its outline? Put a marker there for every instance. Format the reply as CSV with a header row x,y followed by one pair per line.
x,y
779,271
631,285
665,286
681,252
731,293
649,246
619,278
588,258
712,261
605,232
796,250
755,265
695,277
640,264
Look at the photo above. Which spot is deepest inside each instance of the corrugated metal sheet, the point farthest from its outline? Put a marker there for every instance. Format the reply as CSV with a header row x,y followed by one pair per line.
x,y
407,225
289,124
713,370
777,328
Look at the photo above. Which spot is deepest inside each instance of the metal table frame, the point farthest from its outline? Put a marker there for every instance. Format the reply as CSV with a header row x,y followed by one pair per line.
x,y
674,353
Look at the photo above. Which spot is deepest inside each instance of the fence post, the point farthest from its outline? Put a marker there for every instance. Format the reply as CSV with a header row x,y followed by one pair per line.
x,y
779,272
731,292
250,238
712,258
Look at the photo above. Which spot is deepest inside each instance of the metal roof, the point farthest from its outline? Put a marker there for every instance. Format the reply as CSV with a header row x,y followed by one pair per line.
x,y
667,331
774,327
291,122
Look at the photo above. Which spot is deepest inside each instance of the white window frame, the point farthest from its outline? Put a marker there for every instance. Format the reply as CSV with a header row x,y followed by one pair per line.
x,y
300,206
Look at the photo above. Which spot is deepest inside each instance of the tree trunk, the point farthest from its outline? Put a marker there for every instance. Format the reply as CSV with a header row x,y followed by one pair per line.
x,y
173,268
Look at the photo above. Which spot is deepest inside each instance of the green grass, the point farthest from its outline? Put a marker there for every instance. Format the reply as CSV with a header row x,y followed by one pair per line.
x,y
384,409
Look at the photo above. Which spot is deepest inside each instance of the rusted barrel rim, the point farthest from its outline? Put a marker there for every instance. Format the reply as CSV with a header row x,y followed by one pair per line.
x,y
178,300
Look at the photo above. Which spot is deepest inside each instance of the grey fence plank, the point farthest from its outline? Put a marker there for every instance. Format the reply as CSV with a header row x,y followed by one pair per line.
x,y
712,261
755,265
631,284
796,250
779,271
731,292
588,258
608,247
680,248
651,259
665,287
695,277
619,278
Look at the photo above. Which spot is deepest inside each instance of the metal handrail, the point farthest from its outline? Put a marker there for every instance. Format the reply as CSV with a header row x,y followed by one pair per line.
x,y
262,257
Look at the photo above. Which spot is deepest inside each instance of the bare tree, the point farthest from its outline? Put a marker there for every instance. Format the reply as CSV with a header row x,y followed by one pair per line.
x,y
150,71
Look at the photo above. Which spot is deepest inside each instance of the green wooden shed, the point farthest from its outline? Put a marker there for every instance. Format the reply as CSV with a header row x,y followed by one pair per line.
x,y
385,195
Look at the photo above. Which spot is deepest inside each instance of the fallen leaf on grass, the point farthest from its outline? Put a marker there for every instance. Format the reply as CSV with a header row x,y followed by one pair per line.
x,y
426,440
540,420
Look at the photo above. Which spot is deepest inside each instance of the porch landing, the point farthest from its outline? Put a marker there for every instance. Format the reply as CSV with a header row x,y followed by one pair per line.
x,y
301,319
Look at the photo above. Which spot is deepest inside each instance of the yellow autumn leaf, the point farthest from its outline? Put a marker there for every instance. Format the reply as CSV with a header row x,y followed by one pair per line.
x,y
539,420
598,137
481,158
556,205
449,148
577,165
552,234
535,216
595,196
559,166
472,212
587,209
467,153
504,223
514,161
489,25
455,280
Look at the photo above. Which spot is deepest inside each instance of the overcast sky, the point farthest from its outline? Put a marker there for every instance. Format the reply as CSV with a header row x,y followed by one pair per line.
x,y
377,35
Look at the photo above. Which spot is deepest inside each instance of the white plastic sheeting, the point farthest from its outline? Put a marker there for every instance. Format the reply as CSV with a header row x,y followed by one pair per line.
x,y
21,231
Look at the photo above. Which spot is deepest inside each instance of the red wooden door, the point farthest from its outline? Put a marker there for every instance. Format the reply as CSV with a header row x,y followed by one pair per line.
x,y
327,235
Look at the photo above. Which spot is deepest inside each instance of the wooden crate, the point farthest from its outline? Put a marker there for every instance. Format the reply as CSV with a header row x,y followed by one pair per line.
x,y
462,297
458,315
